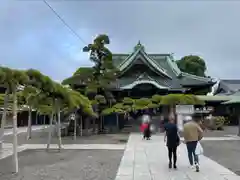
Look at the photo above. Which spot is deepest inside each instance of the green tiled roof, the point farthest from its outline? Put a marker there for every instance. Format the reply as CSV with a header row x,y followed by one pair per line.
x,y
234,100
126,63
128,83
214,98
169,75
164,64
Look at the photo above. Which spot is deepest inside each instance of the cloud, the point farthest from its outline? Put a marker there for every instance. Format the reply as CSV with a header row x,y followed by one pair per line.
x,y
32,36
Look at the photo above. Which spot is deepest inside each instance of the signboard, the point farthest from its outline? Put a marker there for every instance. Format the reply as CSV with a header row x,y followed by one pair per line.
x,y
204,110
184,109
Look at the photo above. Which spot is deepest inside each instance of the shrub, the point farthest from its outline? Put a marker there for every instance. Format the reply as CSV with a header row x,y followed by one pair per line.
x,y
218,123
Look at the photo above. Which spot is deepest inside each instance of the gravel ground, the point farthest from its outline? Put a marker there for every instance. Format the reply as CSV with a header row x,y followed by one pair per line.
x,y
228,130
226,153
66,165
41,137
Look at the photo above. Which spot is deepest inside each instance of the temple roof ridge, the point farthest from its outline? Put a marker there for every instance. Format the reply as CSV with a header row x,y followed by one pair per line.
x,y
139,46
132,56
196,77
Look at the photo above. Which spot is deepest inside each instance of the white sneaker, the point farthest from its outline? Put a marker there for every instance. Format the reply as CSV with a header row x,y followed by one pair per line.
x,y
197,167
192,167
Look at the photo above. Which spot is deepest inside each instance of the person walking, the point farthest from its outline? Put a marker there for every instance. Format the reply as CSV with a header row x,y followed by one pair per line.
x,y
143,128
172,140
193,133
147,131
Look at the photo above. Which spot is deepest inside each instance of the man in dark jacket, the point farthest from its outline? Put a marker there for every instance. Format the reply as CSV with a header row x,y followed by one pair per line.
x,y
173,140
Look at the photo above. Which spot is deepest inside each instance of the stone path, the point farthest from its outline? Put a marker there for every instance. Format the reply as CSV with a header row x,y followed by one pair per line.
x,y
8,147
78,146
231,138
147,160
23,129
8,150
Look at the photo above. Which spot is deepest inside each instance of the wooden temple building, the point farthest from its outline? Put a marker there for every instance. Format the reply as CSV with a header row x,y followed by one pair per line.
x,y
226,90
143,74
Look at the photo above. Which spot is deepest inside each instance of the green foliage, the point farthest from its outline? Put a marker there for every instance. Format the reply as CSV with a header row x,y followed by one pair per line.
x,y
40,81
192,64
153,105
156,99
83,75
30,96
96,79
45,109
87,71
100,99
117,108
12,78
108,111
128,101
141,104
218,123
94,102
129,104
183,99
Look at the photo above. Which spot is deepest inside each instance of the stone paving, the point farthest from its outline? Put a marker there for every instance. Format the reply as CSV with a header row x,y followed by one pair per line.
x,y
78,146
8,147
8,150
23,129
147,160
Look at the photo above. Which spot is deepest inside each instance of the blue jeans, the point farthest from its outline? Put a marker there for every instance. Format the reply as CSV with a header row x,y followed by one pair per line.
x,y
191,147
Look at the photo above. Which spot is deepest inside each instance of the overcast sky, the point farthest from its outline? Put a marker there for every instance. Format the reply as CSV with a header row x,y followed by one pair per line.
x,y
31,36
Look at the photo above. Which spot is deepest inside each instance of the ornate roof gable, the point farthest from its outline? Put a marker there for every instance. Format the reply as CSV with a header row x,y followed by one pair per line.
x,y
140,52
146,79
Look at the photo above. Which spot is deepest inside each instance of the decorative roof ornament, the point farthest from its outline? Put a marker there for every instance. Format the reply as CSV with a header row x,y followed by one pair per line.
x,y
138,46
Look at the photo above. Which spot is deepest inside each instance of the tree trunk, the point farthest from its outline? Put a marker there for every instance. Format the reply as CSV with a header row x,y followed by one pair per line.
x,y
99,124
50,131
3,120
44,120
15,144
117,121
59,130
238,125
102,123
87,125
29,130
36,117
94,125
81,125
75,128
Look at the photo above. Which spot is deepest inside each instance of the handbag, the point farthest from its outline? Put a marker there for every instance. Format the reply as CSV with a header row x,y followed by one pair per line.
x,y
199,149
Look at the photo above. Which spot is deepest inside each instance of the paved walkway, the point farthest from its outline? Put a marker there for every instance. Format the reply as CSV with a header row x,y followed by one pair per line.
x,y
8,147
147,160
23,129
78,146
8,150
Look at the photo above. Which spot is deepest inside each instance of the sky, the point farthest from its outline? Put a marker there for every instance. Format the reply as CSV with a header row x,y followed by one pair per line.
x,y
31,36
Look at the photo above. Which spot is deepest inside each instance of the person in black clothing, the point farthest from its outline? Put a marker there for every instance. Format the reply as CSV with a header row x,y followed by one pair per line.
x,y
173,140
147,132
